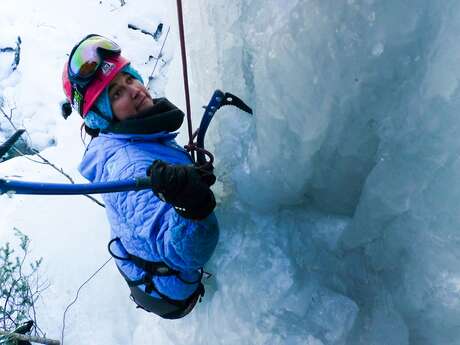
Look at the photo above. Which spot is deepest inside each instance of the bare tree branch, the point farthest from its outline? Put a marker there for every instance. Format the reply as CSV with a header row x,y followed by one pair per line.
x,y
44,160
8,296
33,339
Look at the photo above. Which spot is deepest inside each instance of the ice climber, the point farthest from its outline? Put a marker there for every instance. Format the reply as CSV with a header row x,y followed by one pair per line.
x,y
160,238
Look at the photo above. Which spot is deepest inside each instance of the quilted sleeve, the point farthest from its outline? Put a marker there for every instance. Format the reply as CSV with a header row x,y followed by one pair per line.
x,y
151,229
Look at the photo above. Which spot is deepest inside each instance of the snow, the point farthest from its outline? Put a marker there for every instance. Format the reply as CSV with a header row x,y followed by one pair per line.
x,y
338,200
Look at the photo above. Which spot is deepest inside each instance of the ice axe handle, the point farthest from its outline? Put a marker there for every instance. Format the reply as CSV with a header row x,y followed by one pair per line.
x,y
8,186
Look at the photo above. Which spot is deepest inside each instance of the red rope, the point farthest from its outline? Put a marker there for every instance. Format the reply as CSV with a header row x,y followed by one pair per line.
x,y
184,69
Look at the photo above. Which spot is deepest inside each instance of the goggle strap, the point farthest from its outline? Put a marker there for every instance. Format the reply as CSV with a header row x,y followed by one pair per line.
x,y
77,98
74,86
108,52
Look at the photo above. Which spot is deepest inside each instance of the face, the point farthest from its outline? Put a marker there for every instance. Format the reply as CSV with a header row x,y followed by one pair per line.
x,y
128,96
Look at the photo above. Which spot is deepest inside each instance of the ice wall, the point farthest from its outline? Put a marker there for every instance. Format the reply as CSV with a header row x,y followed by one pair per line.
x,y
340,197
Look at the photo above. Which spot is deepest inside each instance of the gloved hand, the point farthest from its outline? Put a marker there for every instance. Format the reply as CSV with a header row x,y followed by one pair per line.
x,y
186,187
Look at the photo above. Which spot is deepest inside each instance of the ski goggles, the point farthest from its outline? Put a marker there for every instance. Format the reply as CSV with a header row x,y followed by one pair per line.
x,y
86,58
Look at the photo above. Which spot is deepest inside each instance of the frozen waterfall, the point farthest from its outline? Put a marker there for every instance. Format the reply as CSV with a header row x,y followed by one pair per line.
x,y
338,200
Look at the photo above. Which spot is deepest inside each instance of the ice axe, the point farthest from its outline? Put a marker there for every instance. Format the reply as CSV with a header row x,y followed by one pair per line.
x,y
218,100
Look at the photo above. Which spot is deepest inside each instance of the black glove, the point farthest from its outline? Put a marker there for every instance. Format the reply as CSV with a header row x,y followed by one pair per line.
x,y
186,187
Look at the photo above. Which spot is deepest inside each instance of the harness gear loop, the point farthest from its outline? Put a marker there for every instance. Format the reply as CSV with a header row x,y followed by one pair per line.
x,y
153,268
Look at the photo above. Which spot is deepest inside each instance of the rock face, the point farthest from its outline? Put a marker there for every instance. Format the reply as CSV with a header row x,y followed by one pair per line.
x,y
10,57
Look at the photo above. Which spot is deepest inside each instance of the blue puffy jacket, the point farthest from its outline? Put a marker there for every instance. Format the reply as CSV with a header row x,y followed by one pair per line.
x,y
148,227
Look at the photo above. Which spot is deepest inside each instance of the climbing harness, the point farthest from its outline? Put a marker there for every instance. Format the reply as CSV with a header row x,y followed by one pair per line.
x,y
141,289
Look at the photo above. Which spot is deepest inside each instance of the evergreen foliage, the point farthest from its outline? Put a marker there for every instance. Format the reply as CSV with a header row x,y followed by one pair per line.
x,y
20,286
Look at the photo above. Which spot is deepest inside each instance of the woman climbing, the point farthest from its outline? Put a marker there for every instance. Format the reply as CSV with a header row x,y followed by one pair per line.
x,y
160,238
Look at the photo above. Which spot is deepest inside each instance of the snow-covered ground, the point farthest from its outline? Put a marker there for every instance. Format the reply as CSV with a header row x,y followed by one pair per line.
x,y
338,200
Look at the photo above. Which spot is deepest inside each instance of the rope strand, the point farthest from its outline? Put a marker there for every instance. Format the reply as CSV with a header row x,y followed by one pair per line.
x,y
184,69
76,298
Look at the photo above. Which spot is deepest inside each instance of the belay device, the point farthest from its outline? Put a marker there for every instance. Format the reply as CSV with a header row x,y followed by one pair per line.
x,y
218,100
